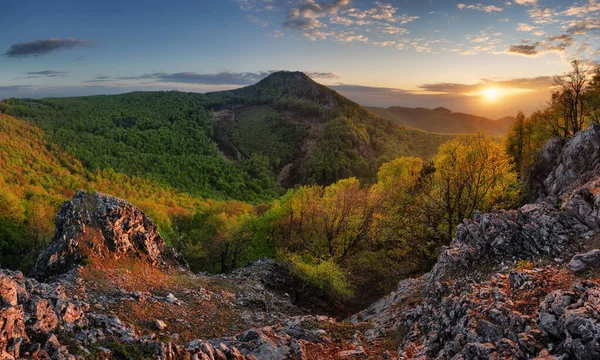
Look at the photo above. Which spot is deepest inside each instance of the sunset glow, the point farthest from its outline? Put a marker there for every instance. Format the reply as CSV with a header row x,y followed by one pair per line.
x,y
412,53
491,94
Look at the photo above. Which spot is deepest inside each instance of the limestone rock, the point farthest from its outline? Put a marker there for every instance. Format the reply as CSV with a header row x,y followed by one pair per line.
x,y
103,226
582,262
563,165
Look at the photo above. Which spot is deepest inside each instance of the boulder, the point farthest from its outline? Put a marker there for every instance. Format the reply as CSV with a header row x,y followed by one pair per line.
x,y
582,262
103,226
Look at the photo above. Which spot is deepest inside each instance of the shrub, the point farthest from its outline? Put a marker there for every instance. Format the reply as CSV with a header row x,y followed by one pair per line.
x,y
324,275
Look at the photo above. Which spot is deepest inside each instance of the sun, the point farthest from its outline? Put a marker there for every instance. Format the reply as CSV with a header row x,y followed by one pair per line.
x,y
491,94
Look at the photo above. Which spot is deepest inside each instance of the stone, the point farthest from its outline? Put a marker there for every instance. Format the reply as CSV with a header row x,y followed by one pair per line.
x,y
582,262
359,352
160,325
564,164
105,226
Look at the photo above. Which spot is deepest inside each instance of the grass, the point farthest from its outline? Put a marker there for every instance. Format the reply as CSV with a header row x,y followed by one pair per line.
x,y
205,310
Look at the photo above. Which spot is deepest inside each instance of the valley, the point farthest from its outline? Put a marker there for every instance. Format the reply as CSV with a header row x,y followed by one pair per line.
x,y
284,221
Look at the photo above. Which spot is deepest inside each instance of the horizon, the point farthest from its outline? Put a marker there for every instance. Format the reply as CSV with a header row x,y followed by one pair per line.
x,y
489,58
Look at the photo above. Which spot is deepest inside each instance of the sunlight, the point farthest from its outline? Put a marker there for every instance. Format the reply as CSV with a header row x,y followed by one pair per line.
x,y
491,94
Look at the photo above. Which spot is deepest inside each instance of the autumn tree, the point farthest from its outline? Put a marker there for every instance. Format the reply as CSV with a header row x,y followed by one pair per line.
x,y
328,222
39,219
517,142
593,98
569,100
406,231
472,172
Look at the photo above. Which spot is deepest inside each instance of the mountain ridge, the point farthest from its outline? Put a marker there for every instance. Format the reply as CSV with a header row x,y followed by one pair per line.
x,y
181,139
443,120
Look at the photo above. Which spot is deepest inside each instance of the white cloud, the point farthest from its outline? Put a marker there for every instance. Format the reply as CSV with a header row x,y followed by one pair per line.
x,y
525,27
526,2
385,43
480,7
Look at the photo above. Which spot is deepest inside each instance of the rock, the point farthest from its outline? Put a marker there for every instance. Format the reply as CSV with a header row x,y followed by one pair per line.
x,y
563,165
582,262
492,239
8,290
160,325
104,226
359,352
172,299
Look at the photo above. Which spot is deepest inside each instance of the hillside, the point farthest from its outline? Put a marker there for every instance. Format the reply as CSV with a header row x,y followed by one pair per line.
x,y
513,284
442,120
241,144
36,177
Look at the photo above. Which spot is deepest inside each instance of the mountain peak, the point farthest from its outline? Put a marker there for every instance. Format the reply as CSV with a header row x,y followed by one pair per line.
x,y
287,74
287,78
442,109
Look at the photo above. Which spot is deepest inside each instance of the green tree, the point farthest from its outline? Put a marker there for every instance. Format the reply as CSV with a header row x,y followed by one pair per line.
x,y
472,173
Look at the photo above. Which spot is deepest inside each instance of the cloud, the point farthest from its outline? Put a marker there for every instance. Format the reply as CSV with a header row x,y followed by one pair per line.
x,y
221,78
350,37
276,34
381,12
480,7
258,21
525,27
584,10
46,73
385,43
7,88
305,16
322,75
526,2
43,47
537,83
556,43
543,16
524,49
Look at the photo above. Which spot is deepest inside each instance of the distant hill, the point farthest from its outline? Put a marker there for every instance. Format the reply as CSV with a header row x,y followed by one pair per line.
x,y
443,120
242,144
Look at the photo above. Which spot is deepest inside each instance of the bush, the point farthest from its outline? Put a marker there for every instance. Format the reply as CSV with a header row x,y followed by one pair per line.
x,y
324,275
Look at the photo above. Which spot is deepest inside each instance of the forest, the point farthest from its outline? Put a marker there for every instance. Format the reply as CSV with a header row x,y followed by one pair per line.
x,y
355,223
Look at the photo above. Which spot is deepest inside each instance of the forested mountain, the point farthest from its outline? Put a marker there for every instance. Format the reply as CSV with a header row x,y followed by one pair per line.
x,y
443,120
240,144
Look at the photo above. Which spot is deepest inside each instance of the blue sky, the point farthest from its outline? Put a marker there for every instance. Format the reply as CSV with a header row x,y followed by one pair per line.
x,y
404,52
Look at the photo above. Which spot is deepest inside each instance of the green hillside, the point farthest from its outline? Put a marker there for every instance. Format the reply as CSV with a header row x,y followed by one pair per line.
x,y
239,144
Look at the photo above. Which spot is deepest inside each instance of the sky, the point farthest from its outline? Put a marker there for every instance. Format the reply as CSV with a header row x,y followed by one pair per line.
x,y
487,57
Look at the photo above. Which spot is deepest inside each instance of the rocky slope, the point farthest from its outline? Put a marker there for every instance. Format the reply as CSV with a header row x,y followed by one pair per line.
x,y
518,284
504,288
114,290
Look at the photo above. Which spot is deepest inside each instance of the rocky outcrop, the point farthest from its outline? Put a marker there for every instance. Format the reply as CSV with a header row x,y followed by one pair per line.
x,y
101,225
31,313
563,165
46,321
522,315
